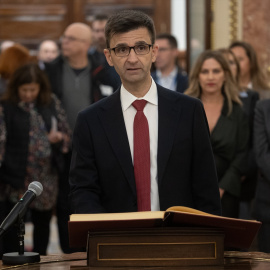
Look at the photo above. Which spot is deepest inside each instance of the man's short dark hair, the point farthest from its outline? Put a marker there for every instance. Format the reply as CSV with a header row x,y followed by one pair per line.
x,y
171,39
128,20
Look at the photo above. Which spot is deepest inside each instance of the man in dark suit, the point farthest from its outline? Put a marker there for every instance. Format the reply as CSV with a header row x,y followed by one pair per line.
x,y
178,163
167,73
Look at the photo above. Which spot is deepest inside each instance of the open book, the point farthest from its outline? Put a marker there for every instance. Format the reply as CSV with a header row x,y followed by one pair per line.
x,y
238,233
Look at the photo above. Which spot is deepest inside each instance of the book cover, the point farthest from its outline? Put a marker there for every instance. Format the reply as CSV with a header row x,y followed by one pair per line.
x,y
238,233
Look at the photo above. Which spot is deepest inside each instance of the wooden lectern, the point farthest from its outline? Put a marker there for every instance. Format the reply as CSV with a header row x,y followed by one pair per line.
x,y
163,247
179,236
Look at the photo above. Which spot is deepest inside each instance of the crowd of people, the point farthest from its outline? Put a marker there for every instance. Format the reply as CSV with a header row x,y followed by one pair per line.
x,y
222,141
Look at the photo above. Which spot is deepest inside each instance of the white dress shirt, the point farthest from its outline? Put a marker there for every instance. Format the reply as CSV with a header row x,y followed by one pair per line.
x,y
169,81
151,113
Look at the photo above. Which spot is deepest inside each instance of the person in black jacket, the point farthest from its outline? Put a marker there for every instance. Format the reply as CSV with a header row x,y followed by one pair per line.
x,y
78,81
33,135
211,81
262,155
168,74
96,51
249,99
107,175
75,77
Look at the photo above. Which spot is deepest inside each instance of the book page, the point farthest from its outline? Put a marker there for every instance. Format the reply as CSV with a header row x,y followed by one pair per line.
x,y
118,216
187,210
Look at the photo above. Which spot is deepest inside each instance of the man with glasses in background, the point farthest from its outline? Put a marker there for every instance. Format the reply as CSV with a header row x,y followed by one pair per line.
x,y
168,74
77,81
74,75
144,148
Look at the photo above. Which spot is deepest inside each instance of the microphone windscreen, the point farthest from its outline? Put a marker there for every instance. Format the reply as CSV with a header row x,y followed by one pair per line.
x,y
36,187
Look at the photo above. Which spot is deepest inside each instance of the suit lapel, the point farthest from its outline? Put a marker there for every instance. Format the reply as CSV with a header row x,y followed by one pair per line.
x,y
112,119
168,116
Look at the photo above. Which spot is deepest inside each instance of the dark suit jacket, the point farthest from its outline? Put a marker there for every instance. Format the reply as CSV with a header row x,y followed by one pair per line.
x,y
262,155
102,174
248,187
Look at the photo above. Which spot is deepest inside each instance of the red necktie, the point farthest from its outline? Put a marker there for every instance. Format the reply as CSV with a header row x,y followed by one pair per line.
x,y
141,156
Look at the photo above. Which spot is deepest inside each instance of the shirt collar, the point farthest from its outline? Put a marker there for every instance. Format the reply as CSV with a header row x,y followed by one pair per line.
x,y
171,75
127,98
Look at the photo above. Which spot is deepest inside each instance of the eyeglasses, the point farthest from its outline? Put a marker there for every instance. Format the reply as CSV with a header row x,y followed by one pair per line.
x,y
70,38
140,49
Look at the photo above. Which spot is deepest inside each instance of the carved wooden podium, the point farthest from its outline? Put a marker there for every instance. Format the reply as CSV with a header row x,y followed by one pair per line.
x,y
164,239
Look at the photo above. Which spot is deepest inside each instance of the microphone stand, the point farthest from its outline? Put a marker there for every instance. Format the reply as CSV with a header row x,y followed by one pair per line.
x,y
20,257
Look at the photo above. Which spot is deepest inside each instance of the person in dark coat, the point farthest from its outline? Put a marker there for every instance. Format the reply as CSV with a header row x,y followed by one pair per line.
x,y
104,175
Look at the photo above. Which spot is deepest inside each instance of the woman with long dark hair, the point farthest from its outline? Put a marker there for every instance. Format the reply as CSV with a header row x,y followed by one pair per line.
x,y
33,134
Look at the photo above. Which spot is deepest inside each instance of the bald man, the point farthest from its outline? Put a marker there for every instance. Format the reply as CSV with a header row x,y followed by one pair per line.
x,y
78,81
75,76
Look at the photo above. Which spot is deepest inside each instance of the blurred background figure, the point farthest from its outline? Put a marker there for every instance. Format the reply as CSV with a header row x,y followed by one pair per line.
x,y
168,74
96,51
10,59
75,78
6,44
98,38
251,75
262,153
249,99
70,74
33,135
233,64
211,80
48,50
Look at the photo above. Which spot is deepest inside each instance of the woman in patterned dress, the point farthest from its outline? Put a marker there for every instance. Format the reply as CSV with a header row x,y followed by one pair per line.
x,y
33,135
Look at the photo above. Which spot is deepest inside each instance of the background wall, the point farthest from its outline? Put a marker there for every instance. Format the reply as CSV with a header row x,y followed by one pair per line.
x,y
256,28
178,22
30,21
246,20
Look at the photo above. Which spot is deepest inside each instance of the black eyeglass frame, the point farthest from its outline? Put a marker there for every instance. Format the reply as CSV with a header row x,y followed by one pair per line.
x,y
133,47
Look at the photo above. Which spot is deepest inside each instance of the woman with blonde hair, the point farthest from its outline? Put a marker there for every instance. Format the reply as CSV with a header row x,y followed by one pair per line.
x,y
211,81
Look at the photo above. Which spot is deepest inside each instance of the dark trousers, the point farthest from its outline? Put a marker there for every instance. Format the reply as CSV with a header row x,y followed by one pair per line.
x,y
41,233
63,207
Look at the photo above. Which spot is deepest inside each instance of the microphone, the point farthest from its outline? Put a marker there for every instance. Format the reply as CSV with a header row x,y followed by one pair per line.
x,y
18,211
